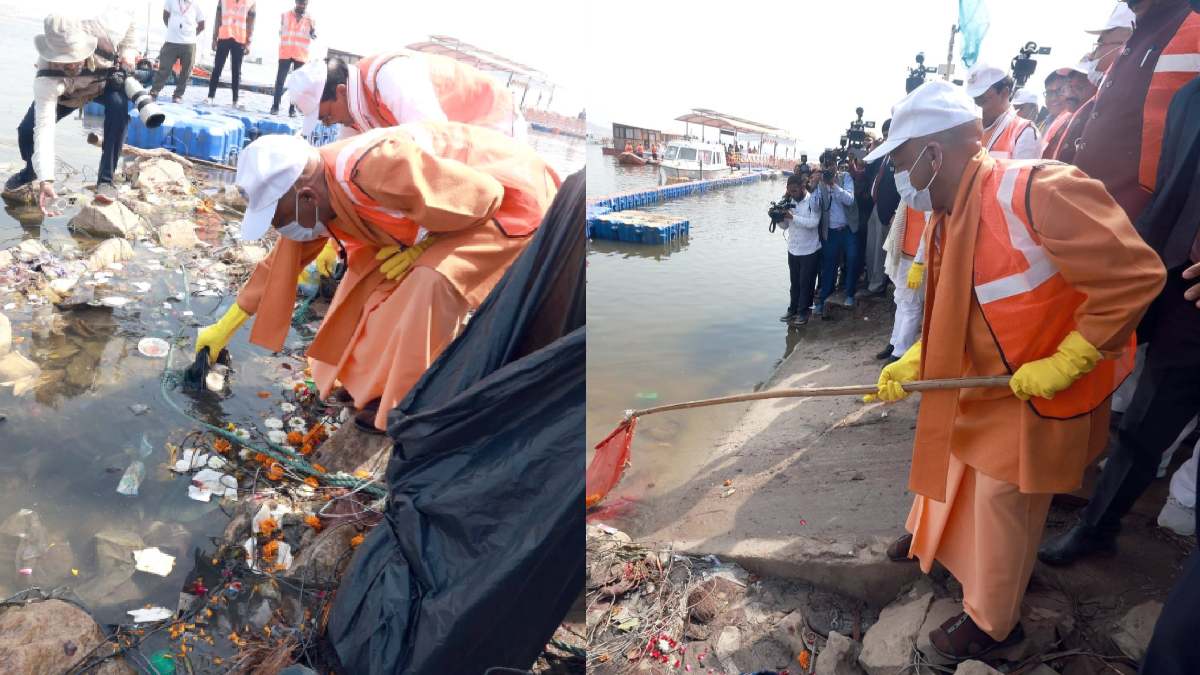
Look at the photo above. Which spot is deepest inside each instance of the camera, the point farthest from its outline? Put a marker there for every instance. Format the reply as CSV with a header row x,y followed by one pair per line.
x,y
1023,64
151,115
856,135
916,74
778,210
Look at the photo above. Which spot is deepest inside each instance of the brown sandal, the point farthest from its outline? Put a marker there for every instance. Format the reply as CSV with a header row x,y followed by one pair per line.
x,y
365,419
898,550
959,639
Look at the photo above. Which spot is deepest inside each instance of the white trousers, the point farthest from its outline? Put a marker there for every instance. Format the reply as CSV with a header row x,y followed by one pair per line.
x,y
910,309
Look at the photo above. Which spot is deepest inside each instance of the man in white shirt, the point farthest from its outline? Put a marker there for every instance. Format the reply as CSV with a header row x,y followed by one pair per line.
x,y
78,61
184,23
1006,135
804,248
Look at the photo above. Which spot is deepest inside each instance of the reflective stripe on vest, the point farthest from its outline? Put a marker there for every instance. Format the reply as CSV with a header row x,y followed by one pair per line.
x,y
1177,65
461,93
1027,303
396,222
1005,139
234,17
914,227
294,40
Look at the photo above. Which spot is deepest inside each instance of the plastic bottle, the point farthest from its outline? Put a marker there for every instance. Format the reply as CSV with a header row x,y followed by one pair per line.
x,y
32,544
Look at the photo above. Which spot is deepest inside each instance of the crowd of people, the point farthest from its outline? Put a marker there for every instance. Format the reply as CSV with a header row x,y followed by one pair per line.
x,y
1041,270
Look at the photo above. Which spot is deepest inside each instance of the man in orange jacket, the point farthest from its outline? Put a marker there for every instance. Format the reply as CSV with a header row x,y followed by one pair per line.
x,y
430,215
1007,240
390,88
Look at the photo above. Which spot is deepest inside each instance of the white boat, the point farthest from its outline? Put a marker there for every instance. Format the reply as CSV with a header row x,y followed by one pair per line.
x,y
694,159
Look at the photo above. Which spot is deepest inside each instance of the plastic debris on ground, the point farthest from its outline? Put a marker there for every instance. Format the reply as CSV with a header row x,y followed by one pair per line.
x,y
150,614
153,561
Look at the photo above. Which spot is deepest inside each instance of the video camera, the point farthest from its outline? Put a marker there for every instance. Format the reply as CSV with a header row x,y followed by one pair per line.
x,y
856,135
778,210
916,74
1023,64
150,113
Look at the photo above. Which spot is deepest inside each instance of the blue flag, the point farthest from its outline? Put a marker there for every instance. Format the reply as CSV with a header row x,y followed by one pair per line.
x,y
973,23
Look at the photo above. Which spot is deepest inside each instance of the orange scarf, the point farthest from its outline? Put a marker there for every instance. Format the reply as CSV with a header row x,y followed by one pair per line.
x,y
948,297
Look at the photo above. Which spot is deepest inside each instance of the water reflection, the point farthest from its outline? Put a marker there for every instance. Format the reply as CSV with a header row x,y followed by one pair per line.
x,y
69,349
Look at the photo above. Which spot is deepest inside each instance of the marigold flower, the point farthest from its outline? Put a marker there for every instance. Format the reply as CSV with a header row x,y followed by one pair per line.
x,y
312,482
318,468
267,526
357,540
312,521
275,471
222,445
803,659
270,549
295,438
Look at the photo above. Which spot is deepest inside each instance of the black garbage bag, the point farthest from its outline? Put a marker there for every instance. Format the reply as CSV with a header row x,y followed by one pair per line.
x,y
481,552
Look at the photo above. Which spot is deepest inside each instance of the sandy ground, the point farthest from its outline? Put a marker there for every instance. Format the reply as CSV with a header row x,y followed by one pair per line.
x,y
817,487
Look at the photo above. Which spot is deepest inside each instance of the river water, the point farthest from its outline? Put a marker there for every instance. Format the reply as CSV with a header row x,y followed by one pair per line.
x,y
65,446
684,321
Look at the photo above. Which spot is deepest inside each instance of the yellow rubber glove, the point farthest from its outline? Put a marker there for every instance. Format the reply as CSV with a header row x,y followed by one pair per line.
x,y
1046,377
916,274
895,374
327,259
397,262
217,336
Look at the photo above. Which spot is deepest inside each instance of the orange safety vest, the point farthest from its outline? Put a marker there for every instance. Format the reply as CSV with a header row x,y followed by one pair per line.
x,y
519,213
1178,63
234,17
295,36
1050,139
1028,305
465,94
914,227
1005,139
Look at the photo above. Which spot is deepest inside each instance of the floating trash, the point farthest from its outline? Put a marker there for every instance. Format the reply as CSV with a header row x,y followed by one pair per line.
x,y
287,407
297,423
647,396
273,423
132,479
277,436
155,348
139,409
141,286
192,459
150,614
153,561
115,301
215,381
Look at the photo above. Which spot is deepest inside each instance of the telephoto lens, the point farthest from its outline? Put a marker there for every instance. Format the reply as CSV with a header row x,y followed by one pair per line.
x,y
152,116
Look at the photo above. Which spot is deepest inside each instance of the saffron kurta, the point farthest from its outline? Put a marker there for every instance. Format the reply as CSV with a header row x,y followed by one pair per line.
x,y
471,188
1005,460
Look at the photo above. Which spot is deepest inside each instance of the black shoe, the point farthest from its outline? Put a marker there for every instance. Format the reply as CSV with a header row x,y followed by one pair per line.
x,y
787,317
274,111
1078,542
17,181
798,320
891,359
885,353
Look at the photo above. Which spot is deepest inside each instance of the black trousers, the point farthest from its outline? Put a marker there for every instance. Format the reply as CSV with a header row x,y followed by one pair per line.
x,y
1172,650
285,66
803,270
1167,398
227,49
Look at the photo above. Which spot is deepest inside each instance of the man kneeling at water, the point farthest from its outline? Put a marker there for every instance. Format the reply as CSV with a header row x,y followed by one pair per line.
x,y
430,215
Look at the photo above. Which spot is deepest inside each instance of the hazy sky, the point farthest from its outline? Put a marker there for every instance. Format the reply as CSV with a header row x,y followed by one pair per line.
x,y
803,66
540,33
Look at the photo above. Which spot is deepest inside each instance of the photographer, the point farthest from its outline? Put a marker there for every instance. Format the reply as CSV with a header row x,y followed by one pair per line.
x,y
804,247
79,60
835,191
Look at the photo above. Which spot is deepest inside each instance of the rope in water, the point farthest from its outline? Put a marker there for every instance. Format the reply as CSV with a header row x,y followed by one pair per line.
x,y
282,454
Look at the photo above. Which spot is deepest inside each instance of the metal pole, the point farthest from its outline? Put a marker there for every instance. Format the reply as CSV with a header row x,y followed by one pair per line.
x,y
950,54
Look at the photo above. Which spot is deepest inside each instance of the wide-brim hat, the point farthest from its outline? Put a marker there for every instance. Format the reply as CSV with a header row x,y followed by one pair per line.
x,y
64,40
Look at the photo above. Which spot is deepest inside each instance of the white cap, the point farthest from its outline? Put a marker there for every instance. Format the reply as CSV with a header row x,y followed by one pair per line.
x,y
64,40
304,87
268,168
982,76
1023,96
1064,71
934,106
1121,17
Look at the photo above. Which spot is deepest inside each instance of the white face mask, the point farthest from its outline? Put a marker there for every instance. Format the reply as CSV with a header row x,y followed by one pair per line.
x,y
297,232
921,200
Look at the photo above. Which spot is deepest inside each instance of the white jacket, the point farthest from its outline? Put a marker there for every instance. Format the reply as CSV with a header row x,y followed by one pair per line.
x,y
117,24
